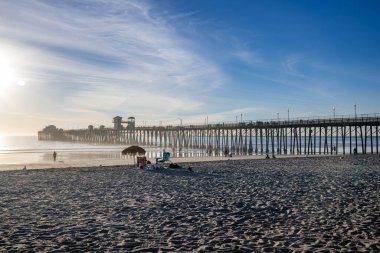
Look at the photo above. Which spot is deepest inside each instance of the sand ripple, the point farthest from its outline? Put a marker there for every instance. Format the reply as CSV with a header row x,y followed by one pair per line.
x,y
276,205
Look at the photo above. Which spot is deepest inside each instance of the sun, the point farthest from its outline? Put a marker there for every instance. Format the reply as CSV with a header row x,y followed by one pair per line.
x,y
8,76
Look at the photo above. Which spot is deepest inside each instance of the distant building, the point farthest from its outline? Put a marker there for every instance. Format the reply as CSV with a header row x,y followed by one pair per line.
x,y
117,123
90,127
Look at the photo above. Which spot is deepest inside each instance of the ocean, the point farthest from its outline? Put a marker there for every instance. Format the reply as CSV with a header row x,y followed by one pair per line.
x,y
19,150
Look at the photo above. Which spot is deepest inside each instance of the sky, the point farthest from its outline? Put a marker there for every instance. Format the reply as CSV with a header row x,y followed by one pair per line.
x,y
72,63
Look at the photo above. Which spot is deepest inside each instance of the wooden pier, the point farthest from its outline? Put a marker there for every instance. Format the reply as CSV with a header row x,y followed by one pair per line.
x,y
314,136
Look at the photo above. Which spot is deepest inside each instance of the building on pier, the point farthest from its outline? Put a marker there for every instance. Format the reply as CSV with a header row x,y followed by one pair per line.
x,y
118,123
51,132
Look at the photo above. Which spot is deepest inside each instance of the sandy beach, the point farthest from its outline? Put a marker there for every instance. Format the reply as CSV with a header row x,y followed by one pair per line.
x,y
309,204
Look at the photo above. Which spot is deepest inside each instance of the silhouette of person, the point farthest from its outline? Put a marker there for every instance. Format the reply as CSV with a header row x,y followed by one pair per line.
x,y
54,155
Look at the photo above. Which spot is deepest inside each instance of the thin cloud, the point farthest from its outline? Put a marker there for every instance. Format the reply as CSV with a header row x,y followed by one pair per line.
x,y
248,57
101,55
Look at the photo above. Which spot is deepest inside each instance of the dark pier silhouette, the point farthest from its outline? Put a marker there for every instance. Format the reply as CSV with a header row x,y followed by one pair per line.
x,y
314,136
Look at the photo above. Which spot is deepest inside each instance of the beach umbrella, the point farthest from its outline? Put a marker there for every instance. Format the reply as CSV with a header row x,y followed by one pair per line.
x,y
133,150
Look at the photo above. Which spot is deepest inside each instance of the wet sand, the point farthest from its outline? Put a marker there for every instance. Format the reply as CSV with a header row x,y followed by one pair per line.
x,y
315,204
94,161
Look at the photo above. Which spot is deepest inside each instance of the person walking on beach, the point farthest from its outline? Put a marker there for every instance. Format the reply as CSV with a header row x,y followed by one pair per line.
x,y
54,156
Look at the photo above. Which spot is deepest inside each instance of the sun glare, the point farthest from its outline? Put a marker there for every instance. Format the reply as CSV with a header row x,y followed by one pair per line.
x,y
21,82
8,76
2,142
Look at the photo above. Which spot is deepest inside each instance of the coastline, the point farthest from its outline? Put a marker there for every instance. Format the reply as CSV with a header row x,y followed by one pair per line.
x,y
61,164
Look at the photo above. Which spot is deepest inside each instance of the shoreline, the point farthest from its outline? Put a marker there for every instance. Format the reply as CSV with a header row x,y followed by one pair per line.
x,y
61,164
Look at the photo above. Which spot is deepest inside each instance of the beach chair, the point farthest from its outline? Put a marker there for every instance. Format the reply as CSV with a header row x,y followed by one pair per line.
x,y
165,158
141,162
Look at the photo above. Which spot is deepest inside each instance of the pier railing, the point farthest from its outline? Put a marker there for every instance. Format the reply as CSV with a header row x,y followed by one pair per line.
x,y
300,121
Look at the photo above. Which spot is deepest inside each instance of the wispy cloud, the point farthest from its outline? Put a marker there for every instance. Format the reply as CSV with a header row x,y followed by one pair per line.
x,y
108,56
248,57
305,73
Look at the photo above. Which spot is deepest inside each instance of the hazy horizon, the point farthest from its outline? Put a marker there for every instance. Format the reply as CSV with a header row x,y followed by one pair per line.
x,y
76,63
